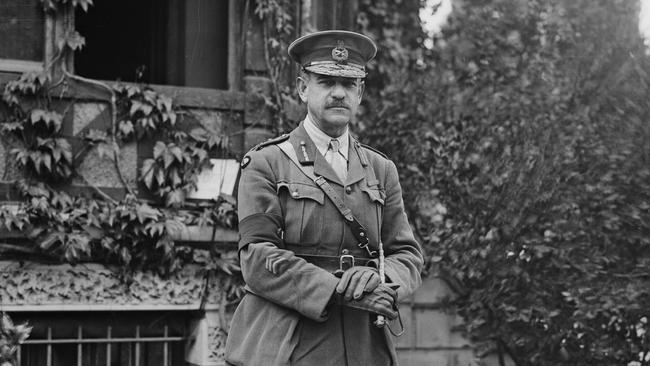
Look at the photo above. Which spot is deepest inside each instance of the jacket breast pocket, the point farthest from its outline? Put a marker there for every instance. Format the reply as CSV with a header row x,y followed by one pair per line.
x,y
375,193
303,212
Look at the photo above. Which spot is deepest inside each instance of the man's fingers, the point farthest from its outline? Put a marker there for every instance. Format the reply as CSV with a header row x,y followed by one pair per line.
x,y
353,284
356,281
373,282
360,286
343,282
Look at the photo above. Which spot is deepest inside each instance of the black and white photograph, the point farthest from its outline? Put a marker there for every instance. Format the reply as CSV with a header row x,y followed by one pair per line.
x,y
325,182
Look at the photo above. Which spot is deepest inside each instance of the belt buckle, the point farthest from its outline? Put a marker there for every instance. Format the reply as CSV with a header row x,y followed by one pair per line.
x,y
342,261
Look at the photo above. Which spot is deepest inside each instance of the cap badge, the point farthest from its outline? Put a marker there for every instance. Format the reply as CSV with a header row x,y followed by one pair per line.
x,y
340,53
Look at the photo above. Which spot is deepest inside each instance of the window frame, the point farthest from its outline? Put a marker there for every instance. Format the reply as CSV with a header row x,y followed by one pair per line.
x,y
114,335
56,22
9,65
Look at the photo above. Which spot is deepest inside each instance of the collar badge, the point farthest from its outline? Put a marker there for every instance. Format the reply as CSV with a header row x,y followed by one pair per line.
x,y
340,53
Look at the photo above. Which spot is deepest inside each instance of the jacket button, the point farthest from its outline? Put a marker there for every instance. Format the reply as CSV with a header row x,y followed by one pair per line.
x,y
348,189
294,194
345,252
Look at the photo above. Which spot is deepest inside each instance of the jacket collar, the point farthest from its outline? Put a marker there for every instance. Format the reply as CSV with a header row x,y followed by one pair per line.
x,y
308,154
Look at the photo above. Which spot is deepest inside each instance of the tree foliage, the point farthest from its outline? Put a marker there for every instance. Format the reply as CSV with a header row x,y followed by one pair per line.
x,y
521,138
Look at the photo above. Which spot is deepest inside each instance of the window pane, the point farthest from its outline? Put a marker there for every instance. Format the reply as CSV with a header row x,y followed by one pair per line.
x,y
174,42
22,25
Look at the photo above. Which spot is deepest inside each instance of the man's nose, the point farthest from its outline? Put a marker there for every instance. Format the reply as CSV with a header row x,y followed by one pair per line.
x,y
338,91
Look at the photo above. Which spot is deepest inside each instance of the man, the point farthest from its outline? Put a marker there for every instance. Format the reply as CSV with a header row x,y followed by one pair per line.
x,y
314,206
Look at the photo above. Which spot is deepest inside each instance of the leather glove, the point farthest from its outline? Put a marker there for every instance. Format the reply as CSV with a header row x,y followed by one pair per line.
x,y
357,281
382,300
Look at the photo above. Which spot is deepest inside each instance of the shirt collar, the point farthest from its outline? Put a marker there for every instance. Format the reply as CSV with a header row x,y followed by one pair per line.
x,y
322,140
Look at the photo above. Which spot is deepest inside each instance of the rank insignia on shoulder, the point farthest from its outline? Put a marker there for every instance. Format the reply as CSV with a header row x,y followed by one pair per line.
x,y
374,150
273,141
245,161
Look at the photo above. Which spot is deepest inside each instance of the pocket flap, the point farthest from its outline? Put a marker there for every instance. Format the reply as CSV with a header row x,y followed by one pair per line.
x,y
303,191
375,193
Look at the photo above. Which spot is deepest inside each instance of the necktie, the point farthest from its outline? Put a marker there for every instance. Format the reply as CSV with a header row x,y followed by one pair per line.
x,y
336,159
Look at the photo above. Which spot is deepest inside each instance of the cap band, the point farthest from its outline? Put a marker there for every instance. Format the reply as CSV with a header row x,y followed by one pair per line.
x,y
316,63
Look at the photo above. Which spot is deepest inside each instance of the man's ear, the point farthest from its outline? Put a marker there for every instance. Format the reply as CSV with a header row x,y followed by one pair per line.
x,y
362,88
301,85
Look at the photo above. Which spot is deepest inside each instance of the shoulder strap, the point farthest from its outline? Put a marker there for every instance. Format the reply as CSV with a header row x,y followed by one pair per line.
x,y
357,229
271,141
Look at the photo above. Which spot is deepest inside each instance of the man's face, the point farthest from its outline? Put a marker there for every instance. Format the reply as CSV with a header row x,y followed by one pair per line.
x,y
332,101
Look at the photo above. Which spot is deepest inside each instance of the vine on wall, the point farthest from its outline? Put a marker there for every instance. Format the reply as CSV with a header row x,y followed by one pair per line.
x,y
133,233
278,30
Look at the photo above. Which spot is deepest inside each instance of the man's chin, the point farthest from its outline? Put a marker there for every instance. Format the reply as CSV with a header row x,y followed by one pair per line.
x,y
338,120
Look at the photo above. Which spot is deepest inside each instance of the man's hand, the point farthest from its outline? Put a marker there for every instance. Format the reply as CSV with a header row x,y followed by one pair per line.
x,y
382,300
356,281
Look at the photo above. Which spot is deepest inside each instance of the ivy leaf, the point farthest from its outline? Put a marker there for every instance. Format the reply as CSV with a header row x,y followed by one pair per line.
x,y
164,103
166,244
83,3
94,232
107,149
137,106
145,212
12,127
76,245
168,158
73,41
159,149
174,177
47,161
147,172
155,229
160,177
57,153
173,226
126,128
175,198
50,240
96,136
171,117
125,255
66,149
177,152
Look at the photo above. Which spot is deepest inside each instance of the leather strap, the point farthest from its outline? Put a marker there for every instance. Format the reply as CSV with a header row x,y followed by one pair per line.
x,y
332,263
357,229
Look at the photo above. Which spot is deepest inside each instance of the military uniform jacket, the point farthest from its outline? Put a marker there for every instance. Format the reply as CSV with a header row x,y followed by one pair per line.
x,y
287,317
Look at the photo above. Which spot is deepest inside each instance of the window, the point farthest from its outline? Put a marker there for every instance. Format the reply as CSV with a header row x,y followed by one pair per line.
x,y
104,338
22,44
332,14
174,42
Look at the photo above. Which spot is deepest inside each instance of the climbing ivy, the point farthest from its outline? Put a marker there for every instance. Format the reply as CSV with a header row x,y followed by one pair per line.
x,y
11,336
133,233
277,31
129,231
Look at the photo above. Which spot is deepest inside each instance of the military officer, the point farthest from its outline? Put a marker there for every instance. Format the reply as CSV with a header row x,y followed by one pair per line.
x,y
316,210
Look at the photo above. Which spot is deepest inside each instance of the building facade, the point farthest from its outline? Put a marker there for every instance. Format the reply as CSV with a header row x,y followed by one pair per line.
x,y
213,58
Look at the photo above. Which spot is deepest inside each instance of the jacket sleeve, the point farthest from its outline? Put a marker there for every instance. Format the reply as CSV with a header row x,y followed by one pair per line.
x,y
269,271
403,254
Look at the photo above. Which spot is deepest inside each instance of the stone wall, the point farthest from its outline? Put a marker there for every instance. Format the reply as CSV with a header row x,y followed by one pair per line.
x,y
433,335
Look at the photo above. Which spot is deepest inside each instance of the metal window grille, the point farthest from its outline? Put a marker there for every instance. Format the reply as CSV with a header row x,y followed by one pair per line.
x,y
135,350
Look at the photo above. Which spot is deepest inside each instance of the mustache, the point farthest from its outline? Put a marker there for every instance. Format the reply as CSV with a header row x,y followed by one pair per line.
x,y
337,105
